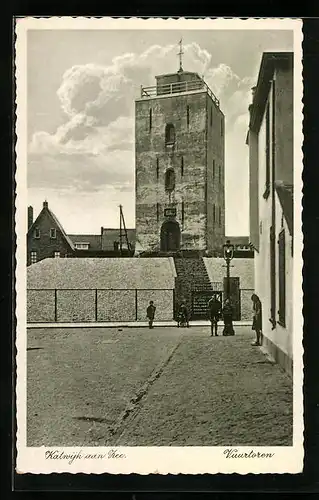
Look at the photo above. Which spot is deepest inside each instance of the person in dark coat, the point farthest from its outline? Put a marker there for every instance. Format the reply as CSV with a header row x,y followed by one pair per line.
x,y
150,313
182,316
214,313
257,319
228,318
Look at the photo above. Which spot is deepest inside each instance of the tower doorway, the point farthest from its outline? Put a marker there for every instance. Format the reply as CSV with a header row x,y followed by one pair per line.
x,y
170,236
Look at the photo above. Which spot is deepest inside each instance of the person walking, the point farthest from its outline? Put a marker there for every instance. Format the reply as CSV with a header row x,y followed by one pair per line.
x,y
228,319
182,317
257,319
214,313
150,314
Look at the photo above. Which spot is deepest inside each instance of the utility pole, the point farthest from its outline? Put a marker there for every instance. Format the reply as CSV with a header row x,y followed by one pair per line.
x,y
122,223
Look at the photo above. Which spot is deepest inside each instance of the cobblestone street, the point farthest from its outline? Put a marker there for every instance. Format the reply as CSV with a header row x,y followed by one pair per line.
x,y
160,387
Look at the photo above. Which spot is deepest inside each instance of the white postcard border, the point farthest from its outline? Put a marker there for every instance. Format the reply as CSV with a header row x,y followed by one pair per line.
x,y
160,460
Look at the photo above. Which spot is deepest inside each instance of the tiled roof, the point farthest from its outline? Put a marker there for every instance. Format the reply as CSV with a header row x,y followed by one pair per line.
x,y
61,228
286,197
56,222
94,240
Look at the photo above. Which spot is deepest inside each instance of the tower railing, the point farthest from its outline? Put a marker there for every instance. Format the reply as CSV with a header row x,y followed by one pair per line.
x,y
177,88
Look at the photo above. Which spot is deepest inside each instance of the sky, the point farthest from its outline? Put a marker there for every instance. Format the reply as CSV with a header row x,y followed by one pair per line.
x,y
81,87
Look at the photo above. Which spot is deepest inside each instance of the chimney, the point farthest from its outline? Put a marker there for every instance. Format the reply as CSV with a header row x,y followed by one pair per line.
x,y
30,217
45,204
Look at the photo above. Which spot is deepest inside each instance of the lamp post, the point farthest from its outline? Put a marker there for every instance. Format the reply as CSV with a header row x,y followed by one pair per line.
x,y
227,310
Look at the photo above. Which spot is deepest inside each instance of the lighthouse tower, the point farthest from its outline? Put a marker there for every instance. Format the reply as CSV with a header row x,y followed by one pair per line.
x,y
179,166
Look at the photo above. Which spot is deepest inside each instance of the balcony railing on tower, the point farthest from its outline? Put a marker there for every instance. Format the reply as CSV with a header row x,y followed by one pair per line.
x,y
177,88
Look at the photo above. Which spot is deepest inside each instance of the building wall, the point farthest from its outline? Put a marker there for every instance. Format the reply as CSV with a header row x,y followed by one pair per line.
x,y
215,177
277,339
192,148
46,246
262,257
81,290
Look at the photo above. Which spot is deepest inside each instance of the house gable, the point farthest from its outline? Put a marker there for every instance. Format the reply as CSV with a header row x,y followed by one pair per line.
x,y
47,238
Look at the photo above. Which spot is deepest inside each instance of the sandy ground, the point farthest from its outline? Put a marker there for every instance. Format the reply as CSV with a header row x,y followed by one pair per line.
x,y
166,386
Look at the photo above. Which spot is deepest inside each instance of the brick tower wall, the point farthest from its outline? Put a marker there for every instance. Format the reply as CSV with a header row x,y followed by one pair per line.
x,y
188,158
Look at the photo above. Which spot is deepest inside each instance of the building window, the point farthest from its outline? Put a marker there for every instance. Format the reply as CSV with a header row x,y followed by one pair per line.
x,y
36,233
150,120
187,116
211,116
214,170
53,233
33,257
157,168
282,278
222,127
267,150
182,166
157,211
220,216
183,213
169,179
214,213
81,246
220,174
57,255
272,277
169,134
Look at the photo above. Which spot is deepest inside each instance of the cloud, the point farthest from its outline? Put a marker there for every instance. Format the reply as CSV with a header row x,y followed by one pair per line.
x,y
94,147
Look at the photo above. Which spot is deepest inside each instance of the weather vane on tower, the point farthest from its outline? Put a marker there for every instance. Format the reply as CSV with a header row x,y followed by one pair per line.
x,y
180,54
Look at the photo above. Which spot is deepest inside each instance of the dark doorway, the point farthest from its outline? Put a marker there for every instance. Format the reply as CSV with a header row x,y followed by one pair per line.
x,y
170,236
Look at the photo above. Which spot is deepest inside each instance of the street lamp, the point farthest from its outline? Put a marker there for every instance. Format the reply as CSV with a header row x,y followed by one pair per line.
x,y
227,311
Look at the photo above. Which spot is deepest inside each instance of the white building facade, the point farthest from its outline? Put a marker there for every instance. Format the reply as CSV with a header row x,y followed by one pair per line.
x,y
270,140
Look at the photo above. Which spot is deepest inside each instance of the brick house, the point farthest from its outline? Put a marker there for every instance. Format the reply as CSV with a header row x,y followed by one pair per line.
x,y
46,237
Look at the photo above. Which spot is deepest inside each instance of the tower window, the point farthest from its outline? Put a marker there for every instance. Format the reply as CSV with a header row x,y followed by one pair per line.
x,y
222,127
169,134
214,213
150,120
182,166
36,233
53,233
220,216
220,174
169,180
33,257
214,169
157,211
211,116
157,168
187,116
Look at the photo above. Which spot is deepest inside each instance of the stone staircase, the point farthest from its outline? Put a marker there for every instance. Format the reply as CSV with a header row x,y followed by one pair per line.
x,y
192,281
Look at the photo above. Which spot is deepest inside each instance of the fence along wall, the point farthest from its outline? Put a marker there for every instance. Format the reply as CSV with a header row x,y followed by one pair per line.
x,y
96,289
77,306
